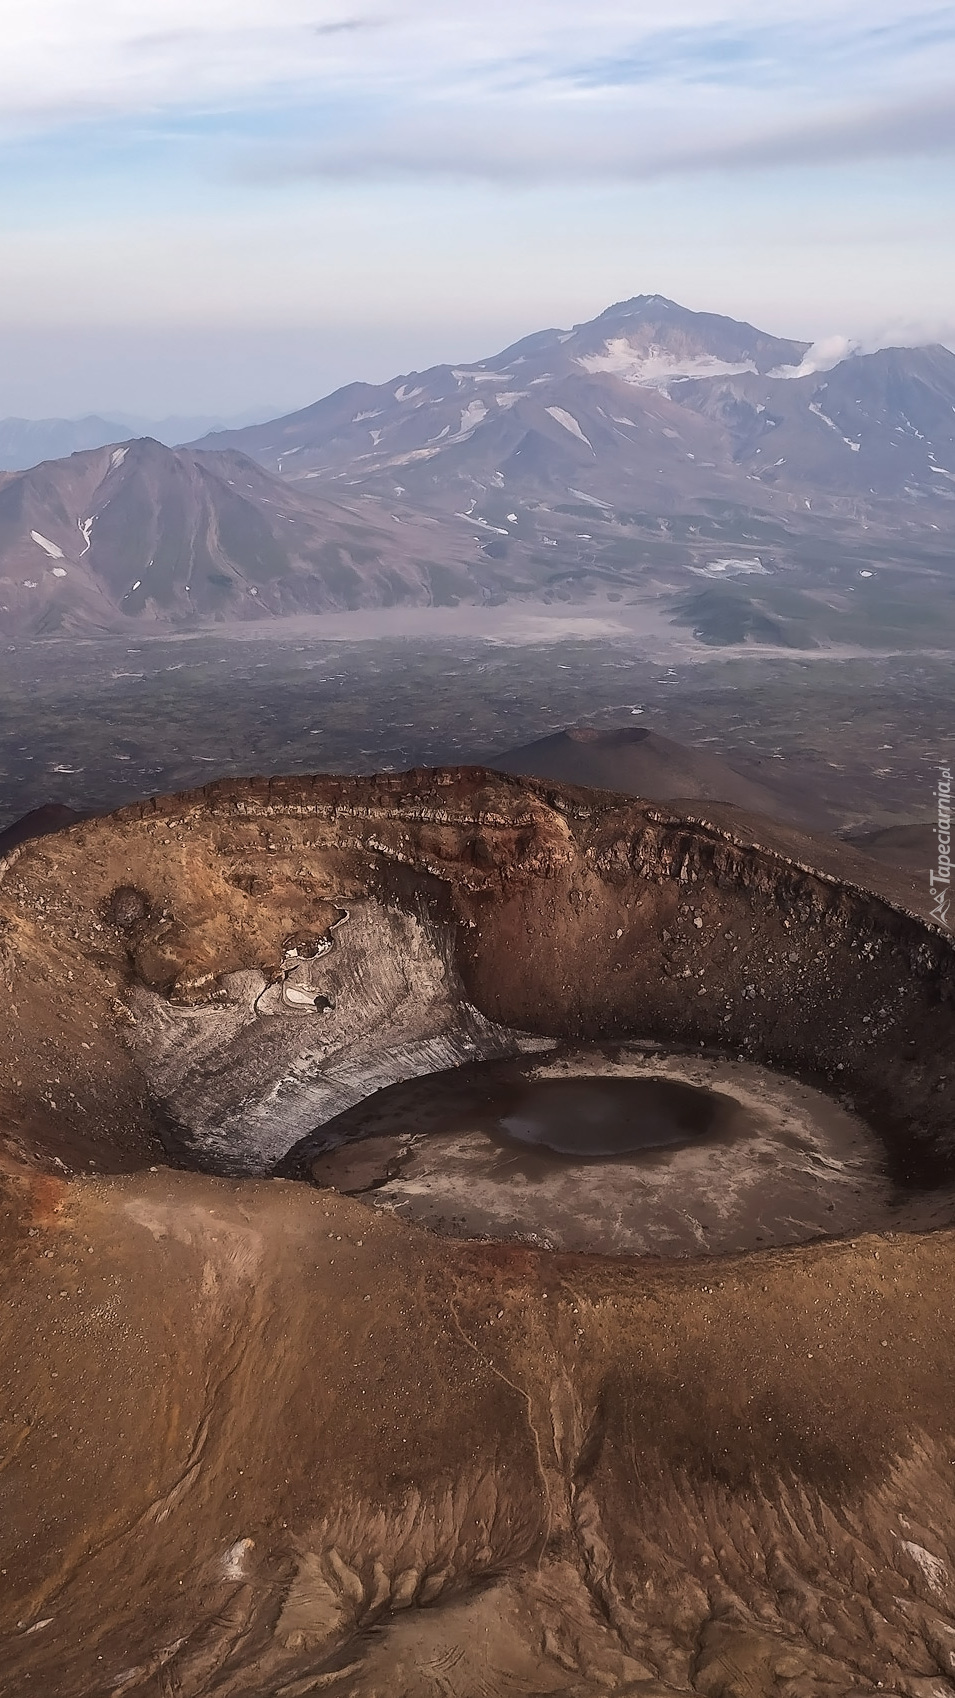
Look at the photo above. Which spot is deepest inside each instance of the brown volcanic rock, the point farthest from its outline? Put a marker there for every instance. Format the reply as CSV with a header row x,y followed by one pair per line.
x,y
246,1421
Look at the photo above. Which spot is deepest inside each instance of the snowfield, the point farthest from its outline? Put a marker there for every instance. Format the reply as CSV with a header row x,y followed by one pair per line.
x,y
656,369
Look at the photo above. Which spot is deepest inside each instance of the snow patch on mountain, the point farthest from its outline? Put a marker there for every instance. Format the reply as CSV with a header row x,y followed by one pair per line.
x,y
473,376
731,567
570,423
47,546
472,415
815,408
656,368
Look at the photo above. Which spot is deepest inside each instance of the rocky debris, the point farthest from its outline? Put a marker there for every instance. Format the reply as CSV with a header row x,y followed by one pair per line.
x,y
560,913
127,907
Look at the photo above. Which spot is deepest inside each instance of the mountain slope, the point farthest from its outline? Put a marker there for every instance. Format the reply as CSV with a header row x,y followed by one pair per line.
x,y
635,761
878,427
145,533
634,352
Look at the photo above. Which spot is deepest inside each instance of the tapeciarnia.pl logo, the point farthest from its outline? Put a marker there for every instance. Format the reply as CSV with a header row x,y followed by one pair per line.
x,y
941,877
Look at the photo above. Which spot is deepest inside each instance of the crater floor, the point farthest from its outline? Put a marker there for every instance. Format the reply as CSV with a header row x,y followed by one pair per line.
x,y
752,1160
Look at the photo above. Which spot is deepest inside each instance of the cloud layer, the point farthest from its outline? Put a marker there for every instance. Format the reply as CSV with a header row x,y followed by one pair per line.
x,y
618,143
435,67
396,174
539,92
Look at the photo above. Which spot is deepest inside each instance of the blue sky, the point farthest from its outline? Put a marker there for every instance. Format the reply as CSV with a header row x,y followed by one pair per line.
x,y
216,204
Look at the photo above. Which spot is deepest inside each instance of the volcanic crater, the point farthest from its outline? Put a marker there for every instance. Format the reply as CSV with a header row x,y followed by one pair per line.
x,y
535,1051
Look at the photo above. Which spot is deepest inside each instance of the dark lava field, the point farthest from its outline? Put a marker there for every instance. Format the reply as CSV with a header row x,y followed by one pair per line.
x,y
856,739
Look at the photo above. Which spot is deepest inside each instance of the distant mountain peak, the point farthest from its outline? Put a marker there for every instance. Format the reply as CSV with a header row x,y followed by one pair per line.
x,y
652,342
638,761
142,532
637,305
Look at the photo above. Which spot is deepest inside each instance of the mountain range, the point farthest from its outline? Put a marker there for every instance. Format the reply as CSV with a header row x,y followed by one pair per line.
x,y
650,453
25,442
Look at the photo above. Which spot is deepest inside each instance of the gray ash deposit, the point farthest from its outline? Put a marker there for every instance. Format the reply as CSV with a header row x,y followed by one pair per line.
x,y
629,1149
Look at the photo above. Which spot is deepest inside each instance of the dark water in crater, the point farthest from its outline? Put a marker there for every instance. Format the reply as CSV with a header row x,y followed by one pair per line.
x,y
598,1116
537,1123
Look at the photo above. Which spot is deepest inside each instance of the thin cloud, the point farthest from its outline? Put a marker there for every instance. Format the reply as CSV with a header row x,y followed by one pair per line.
x,y
584,144
173,55
924,127
349,26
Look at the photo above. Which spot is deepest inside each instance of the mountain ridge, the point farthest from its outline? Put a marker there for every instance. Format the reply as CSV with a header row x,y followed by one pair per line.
x,y
25,443
675,407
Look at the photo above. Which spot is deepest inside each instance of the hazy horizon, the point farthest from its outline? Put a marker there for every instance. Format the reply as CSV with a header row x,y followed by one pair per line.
x,y
155,375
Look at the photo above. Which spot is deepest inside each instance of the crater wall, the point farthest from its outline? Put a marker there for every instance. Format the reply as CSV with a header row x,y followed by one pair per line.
x,y
295,944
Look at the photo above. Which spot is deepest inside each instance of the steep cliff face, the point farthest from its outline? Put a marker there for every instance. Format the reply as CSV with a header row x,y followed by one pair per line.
x,y
245,1421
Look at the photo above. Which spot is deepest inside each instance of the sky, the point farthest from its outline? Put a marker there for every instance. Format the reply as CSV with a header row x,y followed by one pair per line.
x,y
228,207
